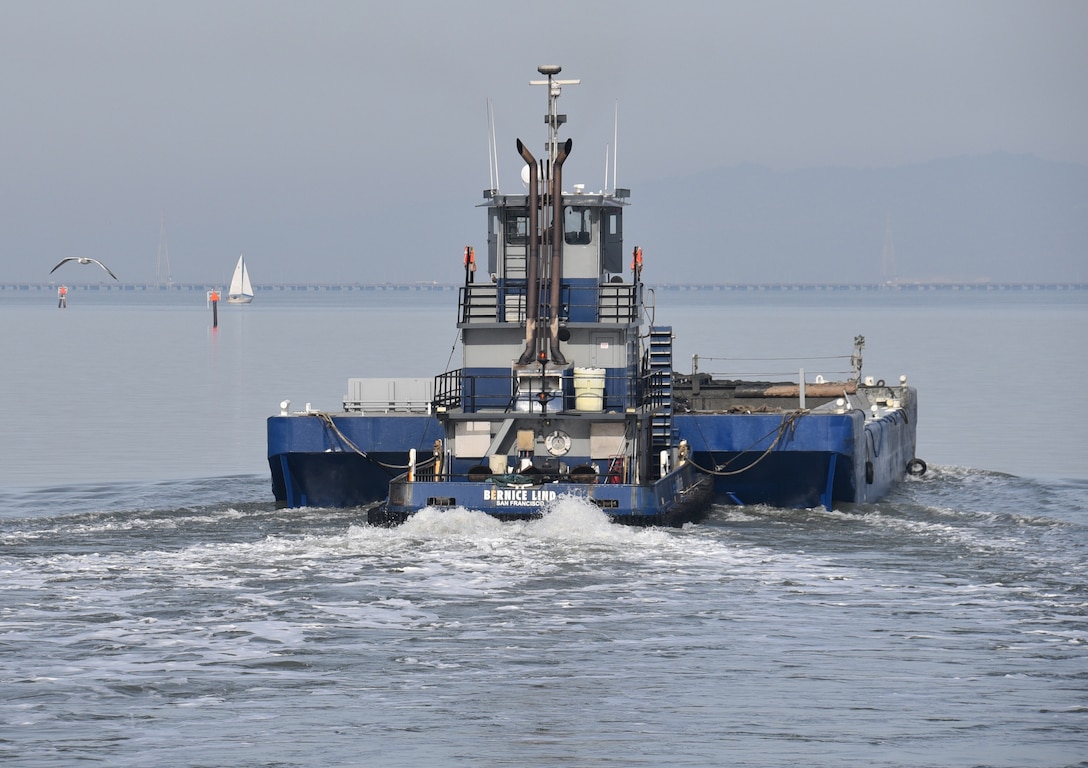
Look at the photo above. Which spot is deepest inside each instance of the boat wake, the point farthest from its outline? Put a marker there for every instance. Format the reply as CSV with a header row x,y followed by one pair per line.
x,y
565,520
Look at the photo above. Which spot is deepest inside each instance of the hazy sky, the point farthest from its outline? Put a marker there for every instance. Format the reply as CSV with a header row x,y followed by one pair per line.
x,y
348,140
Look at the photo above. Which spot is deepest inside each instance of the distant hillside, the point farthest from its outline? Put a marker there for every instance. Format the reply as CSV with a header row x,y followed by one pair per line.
x,y
999,217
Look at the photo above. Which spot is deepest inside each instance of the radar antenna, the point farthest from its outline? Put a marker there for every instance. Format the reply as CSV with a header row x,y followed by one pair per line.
x,y
553,118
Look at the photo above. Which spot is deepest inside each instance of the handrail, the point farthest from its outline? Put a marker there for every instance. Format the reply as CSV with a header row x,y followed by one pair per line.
x,y
492,303
498,392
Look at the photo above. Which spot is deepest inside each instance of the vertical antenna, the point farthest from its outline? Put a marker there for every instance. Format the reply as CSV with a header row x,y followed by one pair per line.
x,y
606,151
615,146
492,148
490,157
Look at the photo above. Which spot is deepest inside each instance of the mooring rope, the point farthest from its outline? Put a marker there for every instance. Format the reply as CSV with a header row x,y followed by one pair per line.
x,y
789,422
326,419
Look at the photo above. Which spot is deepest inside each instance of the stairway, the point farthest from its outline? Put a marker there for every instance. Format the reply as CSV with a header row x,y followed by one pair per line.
x,y
660,364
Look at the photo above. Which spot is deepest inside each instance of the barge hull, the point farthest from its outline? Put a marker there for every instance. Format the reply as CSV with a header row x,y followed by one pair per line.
x,y
820,459
342,460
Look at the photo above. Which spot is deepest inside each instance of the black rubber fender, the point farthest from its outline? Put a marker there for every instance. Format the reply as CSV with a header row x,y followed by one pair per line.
x,y
479,473
916,467
583,473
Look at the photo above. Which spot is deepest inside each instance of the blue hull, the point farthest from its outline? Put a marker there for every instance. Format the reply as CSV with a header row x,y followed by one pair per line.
x,y
682,496
817,459
313,465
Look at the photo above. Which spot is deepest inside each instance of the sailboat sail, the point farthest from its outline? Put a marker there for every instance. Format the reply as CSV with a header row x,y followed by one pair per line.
x,y
241,290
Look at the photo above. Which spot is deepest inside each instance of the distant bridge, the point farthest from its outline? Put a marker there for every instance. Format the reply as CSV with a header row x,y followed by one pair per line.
x,y
440,287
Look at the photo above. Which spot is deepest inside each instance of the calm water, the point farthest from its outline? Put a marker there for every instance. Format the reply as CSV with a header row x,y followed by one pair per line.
x,y
156,609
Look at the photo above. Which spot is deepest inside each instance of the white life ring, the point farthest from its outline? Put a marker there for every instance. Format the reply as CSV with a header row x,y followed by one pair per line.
x,y
557,443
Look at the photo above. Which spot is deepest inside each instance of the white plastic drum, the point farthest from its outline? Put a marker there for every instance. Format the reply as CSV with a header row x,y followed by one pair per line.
x,y
589,389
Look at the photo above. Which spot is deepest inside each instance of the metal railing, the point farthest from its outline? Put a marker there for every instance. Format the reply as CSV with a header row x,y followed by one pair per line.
x,y
497,392
490,303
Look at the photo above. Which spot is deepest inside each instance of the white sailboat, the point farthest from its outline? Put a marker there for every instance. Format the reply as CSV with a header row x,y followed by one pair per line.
x,y
241,290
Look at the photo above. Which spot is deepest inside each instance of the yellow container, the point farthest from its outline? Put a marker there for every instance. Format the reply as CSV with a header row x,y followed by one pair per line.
x,y
589,389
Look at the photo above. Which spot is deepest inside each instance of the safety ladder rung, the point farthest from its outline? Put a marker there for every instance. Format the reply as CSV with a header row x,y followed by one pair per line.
x,y
659,357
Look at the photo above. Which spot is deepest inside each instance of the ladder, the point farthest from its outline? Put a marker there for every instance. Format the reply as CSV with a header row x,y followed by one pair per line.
x,y
660,363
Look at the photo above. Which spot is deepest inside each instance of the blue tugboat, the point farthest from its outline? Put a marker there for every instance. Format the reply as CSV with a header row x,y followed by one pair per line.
x,y
566,390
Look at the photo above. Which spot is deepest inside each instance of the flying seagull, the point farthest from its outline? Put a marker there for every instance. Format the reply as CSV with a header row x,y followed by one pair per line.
x,y
84,260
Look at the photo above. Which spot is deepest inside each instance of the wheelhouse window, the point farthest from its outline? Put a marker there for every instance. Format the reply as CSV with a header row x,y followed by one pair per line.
x,y
517,226
612,247
578,225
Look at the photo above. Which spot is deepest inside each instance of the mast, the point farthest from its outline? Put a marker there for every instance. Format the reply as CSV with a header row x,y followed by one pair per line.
x,y
553,118
551,217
